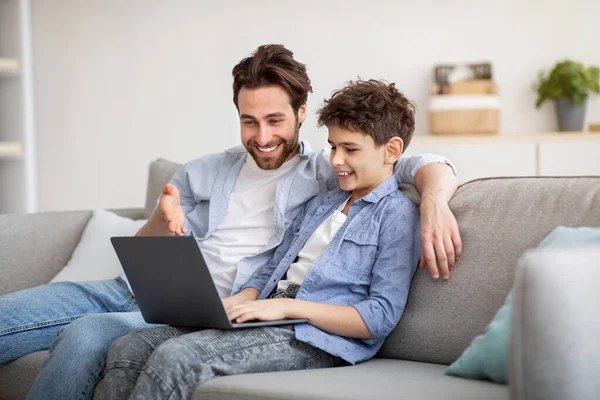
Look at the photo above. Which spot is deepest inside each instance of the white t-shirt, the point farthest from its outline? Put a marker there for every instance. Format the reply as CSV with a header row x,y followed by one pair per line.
x,y
313,248
248,223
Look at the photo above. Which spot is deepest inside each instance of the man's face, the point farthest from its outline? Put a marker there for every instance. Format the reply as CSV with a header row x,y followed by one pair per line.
x,y
359,163
269,126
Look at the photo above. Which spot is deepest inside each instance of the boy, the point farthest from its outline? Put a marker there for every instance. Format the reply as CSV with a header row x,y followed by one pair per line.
x,y
345,264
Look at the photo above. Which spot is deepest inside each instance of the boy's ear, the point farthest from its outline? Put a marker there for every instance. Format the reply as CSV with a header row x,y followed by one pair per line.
x,y
393,149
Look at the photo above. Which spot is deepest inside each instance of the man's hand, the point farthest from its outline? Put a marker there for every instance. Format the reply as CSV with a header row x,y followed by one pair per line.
x,y
441,245
262,310
170,208
440,239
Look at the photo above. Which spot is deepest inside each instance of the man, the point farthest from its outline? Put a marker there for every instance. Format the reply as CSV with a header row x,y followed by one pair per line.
x,y
238,205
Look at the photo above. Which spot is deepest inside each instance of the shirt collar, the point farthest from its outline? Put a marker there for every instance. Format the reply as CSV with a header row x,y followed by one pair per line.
x,y
305,148
383,189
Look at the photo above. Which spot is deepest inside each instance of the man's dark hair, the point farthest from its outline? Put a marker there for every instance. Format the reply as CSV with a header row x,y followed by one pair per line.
x,y
375,108
271,65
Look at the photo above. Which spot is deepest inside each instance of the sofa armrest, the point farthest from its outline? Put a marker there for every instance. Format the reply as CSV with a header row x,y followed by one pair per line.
x,y
34,247
555,327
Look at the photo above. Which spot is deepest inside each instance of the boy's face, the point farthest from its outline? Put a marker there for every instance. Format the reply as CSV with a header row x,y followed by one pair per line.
x,y
269,127
360,165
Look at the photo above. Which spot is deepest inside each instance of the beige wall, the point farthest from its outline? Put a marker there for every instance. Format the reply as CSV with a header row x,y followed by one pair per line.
x,y
119,83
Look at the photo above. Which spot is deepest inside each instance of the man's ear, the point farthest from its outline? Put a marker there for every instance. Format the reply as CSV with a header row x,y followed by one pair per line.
x,y
302,113
393,150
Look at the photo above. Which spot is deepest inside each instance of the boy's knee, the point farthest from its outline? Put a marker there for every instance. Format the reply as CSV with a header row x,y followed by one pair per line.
x,y
171,352
133,347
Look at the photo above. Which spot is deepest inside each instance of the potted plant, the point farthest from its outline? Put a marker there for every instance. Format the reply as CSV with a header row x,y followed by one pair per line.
x,y
568,84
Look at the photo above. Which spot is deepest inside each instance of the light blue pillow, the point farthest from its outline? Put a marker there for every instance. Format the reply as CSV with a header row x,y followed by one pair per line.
x,y
487,356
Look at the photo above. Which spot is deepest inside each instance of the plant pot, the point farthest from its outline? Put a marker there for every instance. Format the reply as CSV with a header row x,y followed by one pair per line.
x,y
570,116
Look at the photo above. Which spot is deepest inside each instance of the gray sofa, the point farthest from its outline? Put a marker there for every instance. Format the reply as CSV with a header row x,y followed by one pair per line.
x,y
499,219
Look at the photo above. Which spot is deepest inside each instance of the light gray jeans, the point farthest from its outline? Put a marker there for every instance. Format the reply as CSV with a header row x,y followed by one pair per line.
x,y
170,362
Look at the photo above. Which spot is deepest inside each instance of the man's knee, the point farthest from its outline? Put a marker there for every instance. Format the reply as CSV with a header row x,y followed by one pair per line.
x,y
82,335
93,333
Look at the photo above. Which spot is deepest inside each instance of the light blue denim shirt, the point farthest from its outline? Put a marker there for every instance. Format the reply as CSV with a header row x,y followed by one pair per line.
x,y
205,185
369,265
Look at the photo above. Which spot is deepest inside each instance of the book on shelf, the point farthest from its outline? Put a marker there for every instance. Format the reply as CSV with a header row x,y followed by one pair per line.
x,y
11,149
9,65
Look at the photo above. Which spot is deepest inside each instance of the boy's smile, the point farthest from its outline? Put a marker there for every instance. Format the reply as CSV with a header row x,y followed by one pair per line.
x,y
360,164
343,175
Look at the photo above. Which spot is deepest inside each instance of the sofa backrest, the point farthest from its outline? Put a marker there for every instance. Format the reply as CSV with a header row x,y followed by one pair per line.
x,y
159,174
499,218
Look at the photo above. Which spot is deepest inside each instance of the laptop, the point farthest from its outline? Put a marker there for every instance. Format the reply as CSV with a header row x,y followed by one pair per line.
x,y
172,284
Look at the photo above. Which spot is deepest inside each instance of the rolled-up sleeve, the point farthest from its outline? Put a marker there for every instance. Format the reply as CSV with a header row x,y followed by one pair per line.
x,y
406,167
201,172
395,264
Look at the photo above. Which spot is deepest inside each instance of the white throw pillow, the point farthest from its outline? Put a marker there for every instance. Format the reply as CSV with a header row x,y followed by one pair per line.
x,y
94,257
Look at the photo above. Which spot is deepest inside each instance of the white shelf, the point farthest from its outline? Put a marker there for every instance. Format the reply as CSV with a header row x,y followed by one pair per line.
x,y
11,149
443,143
9,66
498,138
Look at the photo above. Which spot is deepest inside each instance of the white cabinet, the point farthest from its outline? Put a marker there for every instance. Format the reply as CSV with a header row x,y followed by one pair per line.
x,y
17,137
570,158
549,154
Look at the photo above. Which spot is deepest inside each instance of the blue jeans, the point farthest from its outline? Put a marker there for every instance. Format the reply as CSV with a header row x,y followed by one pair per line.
x,y
50,317
170,362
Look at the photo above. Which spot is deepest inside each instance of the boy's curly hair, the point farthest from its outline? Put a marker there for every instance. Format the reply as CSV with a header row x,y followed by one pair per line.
x,y
374,107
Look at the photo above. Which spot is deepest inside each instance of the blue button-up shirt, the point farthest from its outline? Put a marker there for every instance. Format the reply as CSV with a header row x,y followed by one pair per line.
x,y
205,186
368,265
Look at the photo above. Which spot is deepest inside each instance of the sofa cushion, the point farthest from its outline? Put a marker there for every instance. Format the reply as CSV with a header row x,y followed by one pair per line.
x,y
375,379
94,257
17,377
159,174
499,218
36,246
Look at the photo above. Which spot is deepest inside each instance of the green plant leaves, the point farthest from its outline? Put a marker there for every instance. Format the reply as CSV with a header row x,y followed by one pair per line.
x,y
567,79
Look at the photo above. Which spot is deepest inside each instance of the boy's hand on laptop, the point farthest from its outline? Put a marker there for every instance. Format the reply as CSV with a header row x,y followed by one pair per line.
x,y
441,244
245,295
171,209
262,310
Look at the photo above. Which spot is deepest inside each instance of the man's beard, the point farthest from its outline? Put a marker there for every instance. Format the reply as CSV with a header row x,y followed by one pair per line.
x,y
270,163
